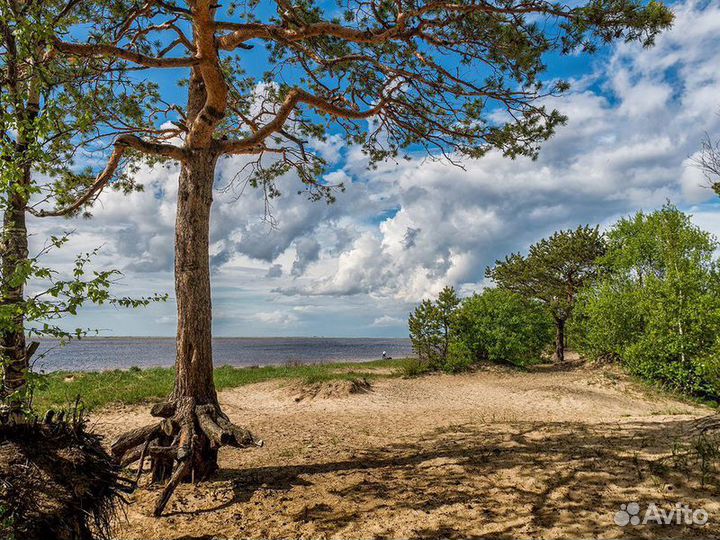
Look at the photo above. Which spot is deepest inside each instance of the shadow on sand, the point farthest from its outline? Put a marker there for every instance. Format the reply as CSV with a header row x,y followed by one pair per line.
x,y
488,480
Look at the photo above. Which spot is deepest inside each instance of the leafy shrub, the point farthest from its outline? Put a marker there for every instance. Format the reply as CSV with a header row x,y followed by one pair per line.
x,y
496,326
459,358
413,367
657,308
7,523
502,327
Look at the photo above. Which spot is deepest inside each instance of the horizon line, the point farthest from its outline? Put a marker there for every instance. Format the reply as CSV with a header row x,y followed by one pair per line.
x,y
74,338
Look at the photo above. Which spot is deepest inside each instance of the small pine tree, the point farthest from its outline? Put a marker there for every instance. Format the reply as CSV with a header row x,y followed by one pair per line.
x,y
553,273
431,327
447,305
424,326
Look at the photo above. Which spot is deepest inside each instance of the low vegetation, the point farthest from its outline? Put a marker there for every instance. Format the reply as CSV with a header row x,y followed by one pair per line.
x,y
97,389
500,326
656,308
645,294
497,326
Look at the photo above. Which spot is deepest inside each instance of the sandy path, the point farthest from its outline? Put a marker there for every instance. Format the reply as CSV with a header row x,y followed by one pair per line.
x,y
546,454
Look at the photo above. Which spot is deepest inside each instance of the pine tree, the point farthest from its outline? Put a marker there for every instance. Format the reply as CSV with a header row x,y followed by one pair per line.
x,y
425,332
553,272
431,327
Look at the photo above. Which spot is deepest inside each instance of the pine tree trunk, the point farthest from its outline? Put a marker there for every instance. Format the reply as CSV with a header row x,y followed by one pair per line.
x,y
184,445
194,383
194,368
14,253
192,281
559,340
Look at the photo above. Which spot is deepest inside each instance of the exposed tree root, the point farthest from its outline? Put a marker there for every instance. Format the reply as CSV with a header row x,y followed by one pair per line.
x,y
56,480
178,475
183,446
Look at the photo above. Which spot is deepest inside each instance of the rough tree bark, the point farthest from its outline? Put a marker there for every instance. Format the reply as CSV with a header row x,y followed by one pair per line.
x,y
14,251
559,340
192,282
193,366
194,373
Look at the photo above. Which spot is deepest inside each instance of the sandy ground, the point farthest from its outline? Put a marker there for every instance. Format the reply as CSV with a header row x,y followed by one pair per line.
x,y
547,454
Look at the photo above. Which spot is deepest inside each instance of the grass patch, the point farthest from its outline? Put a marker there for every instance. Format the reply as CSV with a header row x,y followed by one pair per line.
x,y
132,386
413,367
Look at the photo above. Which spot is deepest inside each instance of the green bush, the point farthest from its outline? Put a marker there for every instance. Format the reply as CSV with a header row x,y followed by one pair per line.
x,y
7,523
501,327
459,358
413,367
497,326
657,308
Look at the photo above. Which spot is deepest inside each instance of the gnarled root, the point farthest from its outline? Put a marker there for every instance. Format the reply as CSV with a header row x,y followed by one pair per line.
x,y
183,446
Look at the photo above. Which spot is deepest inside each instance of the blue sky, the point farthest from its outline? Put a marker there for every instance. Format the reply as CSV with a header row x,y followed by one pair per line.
x,y
401,232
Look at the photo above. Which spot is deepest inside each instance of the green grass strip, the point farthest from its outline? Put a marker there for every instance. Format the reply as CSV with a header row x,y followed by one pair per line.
x,y
99,388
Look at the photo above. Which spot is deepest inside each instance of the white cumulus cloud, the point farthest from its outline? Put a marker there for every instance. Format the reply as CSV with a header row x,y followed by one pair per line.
x,y
400,232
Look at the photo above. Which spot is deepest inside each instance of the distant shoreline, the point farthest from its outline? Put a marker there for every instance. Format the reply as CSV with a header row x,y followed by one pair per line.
x,y
99,353
215,338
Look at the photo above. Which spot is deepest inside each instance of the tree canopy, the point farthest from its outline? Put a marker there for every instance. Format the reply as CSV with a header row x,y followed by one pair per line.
x,y
388,75
553,272
656,307
500,326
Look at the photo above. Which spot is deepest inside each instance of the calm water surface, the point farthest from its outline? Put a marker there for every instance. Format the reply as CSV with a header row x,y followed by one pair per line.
x,y
96,353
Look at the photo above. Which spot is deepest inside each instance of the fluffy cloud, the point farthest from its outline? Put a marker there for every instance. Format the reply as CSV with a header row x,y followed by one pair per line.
x,y
402,231
634,120
386,320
